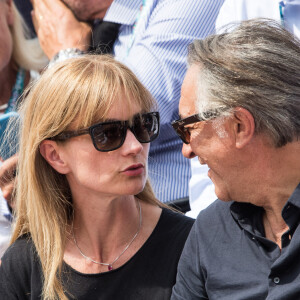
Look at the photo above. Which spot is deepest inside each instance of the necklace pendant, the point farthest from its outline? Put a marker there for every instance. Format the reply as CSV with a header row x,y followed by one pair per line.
x,y
110,267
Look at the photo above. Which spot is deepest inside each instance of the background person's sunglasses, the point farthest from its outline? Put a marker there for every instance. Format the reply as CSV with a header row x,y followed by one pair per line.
x,y
109,136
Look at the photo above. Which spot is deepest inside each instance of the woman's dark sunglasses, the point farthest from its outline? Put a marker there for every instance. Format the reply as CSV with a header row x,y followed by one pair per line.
x,y
109,136
184,132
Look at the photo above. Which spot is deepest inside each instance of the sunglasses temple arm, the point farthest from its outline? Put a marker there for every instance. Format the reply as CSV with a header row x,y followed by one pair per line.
x,y
69,134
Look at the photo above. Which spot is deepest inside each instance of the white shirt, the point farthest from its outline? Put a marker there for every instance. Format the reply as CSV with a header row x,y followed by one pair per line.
x,y
239,10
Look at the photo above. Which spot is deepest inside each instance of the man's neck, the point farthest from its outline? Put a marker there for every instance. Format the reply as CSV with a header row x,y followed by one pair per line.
x,y
275,174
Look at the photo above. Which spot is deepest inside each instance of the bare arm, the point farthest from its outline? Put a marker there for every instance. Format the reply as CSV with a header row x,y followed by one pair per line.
x,y
7,179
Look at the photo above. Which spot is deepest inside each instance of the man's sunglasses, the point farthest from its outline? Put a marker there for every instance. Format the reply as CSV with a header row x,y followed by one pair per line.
x,y
109,136
183,132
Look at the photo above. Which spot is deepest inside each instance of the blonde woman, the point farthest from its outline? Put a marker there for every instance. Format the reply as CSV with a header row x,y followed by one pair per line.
x,y
88,225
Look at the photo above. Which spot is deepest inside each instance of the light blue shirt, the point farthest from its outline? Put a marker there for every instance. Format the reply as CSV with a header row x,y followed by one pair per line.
x,y
154,47
239,10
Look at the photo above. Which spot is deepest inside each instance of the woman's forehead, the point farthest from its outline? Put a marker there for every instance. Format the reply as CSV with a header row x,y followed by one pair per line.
x,y
117,112
123,110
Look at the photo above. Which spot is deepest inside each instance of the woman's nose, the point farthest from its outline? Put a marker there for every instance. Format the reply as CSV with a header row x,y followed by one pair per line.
x,y
131,144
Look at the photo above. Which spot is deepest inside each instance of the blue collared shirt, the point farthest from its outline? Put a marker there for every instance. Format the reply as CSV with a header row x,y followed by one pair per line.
x,y
153,40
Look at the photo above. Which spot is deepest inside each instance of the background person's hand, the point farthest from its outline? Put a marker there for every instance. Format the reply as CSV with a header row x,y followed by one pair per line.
x,y
8,178
57,28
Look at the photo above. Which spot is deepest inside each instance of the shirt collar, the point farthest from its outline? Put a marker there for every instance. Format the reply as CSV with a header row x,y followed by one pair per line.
x,y
123,11
241,209
294,198
249,213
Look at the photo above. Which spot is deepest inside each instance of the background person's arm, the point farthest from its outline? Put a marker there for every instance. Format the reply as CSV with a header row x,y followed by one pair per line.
x,y
7,179
57,28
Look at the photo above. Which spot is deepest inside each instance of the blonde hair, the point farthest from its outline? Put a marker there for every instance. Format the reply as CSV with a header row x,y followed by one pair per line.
x,y
82,89
27,52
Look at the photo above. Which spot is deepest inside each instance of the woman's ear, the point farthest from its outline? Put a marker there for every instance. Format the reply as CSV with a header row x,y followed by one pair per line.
x,y
52,154
244,127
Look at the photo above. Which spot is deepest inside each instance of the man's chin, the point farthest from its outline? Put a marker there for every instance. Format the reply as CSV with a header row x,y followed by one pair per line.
x,y
222,195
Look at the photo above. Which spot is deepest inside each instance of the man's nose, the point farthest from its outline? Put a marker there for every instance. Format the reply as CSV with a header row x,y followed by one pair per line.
x,y
187,151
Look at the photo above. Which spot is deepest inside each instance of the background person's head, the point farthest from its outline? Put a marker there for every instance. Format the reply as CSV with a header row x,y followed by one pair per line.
x,y
15,44
6,22
248,79
88,10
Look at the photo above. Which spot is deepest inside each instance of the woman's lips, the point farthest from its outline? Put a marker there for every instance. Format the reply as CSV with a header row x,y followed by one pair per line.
x,y
134,170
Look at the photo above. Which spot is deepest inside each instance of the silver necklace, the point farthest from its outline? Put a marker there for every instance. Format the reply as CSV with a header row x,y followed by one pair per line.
x,y
110,265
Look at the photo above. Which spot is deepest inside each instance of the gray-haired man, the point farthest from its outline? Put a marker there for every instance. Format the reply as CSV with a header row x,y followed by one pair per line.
x,y
240,108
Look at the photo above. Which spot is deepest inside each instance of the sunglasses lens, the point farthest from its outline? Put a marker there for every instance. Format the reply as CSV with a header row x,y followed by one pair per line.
x,y
146,127
107,137
184,134
110,136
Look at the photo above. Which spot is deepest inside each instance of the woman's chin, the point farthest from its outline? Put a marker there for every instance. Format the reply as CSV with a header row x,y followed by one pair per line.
x,y
134,190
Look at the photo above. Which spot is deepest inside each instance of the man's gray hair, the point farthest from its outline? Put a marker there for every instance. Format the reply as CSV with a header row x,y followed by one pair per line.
x,y
256,66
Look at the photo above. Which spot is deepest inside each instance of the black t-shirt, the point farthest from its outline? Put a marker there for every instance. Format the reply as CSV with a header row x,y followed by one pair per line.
x,y
149,274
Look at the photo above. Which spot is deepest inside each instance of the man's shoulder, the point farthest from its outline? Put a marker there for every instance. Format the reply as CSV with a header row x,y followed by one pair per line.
x,y
218,206
215,214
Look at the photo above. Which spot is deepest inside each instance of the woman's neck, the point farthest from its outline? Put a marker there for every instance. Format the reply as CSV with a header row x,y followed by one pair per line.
x,y
106,228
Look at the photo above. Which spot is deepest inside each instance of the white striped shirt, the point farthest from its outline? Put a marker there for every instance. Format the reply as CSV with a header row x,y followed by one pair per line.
x,y
157,55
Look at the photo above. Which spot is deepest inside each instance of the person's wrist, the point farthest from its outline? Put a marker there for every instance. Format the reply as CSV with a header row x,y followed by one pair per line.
x,y
65,54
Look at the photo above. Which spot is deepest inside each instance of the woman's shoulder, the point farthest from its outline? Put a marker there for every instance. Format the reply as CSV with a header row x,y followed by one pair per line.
x,y
19,268
21,248
175,218
18,255
174,225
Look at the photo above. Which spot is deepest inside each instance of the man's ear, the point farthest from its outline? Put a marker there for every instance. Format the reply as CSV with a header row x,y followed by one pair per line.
x,y
244,127
52,154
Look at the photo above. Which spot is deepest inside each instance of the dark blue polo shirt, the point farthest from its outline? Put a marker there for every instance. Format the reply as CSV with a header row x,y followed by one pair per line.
x,y
228,257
